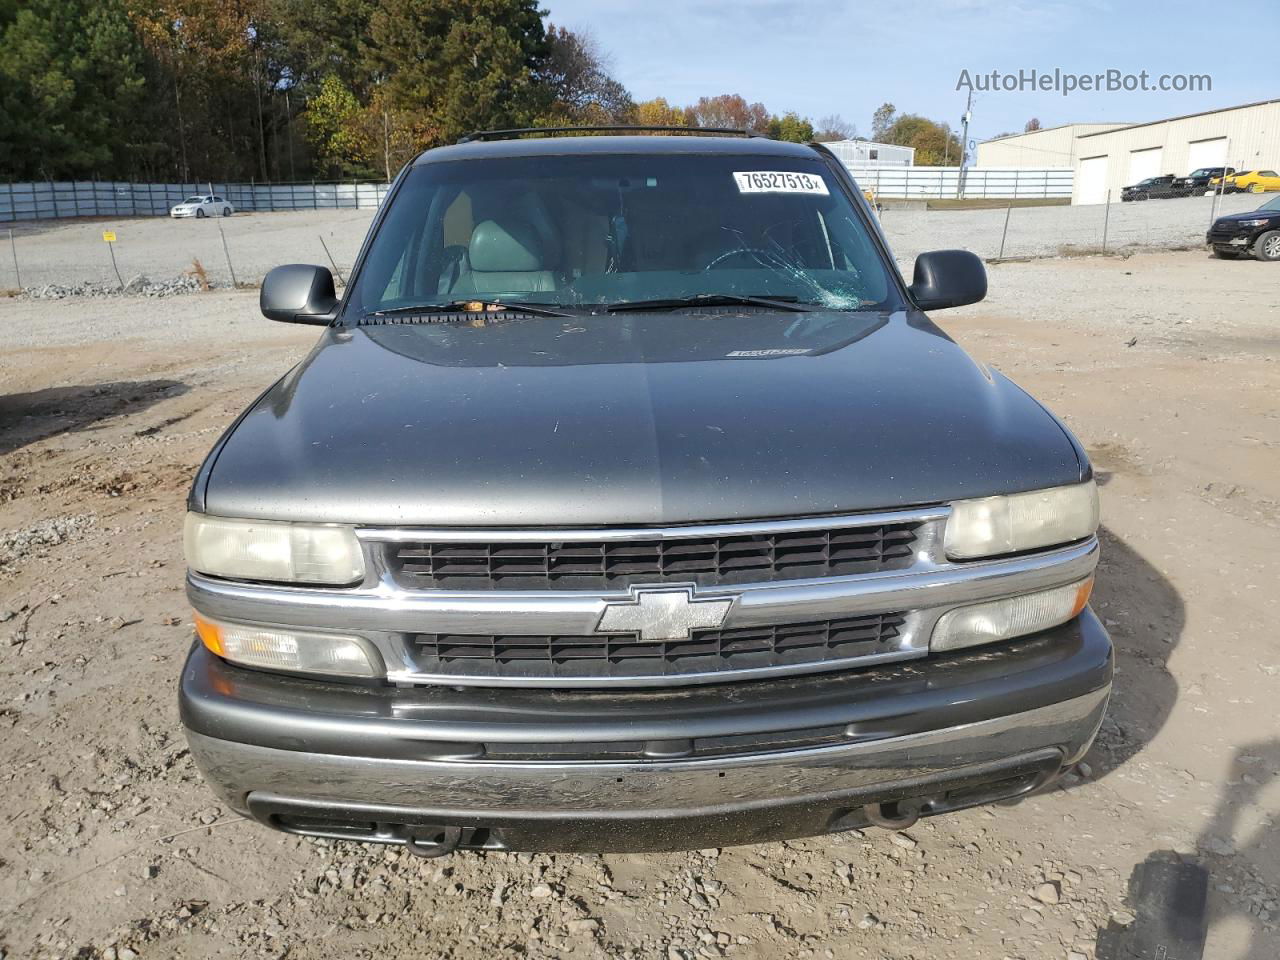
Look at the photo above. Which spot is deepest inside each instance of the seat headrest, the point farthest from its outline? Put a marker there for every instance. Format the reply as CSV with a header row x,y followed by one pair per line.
x,y
511,247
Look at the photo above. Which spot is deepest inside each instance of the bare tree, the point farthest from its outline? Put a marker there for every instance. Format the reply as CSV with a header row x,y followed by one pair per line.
x,y
882,120
577,73
835,127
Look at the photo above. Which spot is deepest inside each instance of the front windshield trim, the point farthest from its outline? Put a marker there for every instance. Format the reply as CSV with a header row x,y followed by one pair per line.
x,y
896,297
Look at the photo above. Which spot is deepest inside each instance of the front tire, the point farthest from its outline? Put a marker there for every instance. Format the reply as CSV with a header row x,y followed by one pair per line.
x,y
199,214
226,211
1267,246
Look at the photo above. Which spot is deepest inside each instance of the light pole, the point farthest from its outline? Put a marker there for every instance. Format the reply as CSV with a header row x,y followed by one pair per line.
x,y
964,141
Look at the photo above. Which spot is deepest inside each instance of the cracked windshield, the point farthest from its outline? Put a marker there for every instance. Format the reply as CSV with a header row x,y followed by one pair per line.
x,y
607,231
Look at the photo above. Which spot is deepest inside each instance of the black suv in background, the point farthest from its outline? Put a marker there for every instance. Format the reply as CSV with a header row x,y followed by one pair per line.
x,y
1162,186
1197,181
630,501
1254,231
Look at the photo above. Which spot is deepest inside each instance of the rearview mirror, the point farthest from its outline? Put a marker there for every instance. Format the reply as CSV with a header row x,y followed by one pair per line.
x,y
299,293
948,278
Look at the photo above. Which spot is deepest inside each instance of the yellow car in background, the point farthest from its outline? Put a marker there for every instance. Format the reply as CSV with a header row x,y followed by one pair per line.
x,y
1250,181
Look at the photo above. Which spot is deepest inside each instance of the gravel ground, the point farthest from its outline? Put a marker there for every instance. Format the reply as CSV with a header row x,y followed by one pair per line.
x,y
72,252
112,847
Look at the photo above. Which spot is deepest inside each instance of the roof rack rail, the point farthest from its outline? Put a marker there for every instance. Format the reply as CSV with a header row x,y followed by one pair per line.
x,y
517,132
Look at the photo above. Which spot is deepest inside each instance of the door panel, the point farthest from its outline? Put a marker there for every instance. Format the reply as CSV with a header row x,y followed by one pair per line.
x,y
1145,163
1207,153
1091,180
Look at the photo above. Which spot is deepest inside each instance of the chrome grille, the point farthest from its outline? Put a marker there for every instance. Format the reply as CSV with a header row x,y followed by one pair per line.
x,y
511,656
585,564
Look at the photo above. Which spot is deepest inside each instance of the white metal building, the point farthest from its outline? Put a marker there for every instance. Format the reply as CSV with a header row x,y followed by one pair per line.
x,y
1245,137
867,153
1051,147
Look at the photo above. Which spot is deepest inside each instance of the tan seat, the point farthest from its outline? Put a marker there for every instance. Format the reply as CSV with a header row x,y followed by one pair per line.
x,y
509,257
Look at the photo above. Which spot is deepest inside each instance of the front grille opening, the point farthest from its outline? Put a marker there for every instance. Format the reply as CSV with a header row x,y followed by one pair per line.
x,y
706,561
339,827
626,655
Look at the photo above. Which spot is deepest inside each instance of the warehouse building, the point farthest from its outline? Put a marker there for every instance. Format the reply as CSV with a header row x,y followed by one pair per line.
x,y
1245,137
867,153
1106,157
1037,149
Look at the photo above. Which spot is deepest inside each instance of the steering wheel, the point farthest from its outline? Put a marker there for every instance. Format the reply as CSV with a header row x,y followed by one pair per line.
x,y
754,251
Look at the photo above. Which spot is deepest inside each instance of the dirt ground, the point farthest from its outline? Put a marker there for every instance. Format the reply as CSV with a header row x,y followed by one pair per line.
x,y
1166,365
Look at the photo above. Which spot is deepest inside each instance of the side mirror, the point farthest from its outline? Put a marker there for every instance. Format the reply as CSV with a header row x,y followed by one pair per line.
x,y
948,278
299,293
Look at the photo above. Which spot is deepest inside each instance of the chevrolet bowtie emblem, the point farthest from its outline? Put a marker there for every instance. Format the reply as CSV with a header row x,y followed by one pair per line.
x,y
662,613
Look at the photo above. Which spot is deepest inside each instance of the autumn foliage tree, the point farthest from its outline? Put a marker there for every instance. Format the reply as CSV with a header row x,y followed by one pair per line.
x,y
729,110
658,113
935,143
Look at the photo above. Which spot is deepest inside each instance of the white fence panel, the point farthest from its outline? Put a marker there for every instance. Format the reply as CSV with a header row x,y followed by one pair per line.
x,y
935,183
97,198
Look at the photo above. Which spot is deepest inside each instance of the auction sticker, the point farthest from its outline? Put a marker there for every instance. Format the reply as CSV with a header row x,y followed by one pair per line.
x,y
765,181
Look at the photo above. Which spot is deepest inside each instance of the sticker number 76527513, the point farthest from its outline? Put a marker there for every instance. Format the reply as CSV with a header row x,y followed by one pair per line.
x,y
764,181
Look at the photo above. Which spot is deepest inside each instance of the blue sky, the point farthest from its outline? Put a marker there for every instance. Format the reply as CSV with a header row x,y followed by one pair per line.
x,y
830,56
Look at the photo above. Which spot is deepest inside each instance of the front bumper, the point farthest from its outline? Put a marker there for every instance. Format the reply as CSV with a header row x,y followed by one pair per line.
x,y
1233,239
647,770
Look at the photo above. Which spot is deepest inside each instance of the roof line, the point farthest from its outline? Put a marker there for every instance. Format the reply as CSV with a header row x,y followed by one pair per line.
x,y
1080,123
1185,116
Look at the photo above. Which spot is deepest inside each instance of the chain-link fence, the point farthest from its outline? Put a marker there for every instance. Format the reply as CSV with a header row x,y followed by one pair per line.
x,y
73,253
1012,230
34,254
50,200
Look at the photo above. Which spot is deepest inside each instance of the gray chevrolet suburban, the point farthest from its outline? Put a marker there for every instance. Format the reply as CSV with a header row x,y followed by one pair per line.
x,y
630,501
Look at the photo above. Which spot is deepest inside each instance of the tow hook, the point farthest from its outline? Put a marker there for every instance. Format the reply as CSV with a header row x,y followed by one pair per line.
x,y
894,815
432,842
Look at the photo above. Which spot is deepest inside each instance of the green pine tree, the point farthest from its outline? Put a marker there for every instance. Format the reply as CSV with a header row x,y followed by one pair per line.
x,y
70,87
461,65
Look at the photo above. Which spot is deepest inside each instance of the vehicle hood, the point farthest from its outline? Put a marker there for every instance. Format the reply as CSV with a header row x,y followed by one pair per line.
x,y
1249,215
632,418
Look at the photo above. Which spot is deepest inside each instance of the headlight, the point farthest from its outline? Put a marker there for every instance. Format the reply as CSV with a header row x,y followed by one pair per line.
x,y
1253,223
272,550
295,651
1021,521
1010,617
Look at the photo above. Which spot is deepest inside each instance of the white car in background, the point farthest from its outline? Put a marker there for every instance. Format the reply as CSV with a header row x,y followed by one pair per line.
x,y
207,205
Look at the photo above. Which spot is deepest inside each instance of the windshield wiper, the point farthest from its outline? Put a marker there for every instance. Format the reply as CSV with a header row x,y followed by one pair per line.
x,y
788,303
468,306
